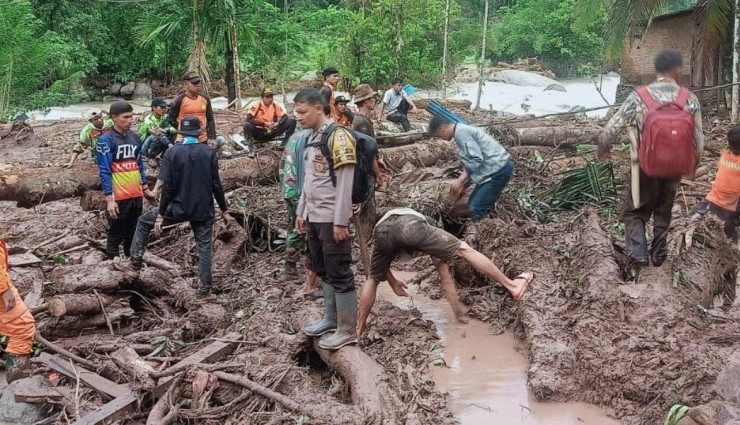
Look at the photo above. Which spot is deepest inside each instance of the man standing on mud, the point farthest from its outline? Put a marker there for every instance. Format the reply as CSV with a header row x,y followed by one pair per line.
x,y
656,194
485,163
404,232
193,104
190,179
325,210
123,178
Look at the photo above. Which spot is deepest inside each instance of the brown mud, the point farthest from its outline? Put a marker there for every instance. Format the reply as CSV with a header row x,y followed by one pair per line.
x,y
594,329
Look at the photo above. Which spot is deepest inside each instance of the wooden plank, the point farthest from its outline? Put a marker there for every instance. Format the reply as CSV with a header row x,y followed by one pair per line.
x,y
118,408
102,385
38,395
208,354
26,259
127,403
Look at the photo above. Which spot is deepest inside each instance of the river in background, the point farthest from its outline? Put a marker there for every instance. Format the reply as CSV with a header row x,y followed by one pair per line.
x,y
518,100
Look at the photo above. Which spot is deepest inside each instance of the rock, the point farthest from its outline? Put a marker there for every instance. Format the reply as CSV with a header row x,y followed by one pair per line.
x,y
309,76
142,92
728,384
110,99
128,89
522,78
706,414
22,413
728,415
556,87
115,89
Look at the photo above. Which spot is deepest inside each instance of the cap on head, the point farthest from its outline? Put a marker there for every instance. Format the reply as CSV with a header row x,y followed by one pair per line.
x,y
340,99
120,107
190,126
364,92
329,71
267,92
159,101
92,113
192,77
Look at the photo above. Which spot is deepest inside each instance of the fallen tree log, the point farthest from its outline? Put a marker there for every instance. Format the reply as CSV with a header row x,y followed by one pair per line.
x,y
137,370
62,305
34,186
431,197
81,278
561,137
372,397
72,326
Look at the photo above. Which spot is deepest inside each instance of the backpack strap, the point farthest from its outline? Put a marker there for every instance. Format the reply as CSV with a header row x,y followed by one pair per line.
x,y
683,96
326,131
647,98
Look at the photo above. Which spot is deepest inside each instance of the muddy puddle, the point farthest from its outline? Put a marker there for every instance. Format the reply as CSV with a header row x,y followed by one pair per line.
x,y
485,377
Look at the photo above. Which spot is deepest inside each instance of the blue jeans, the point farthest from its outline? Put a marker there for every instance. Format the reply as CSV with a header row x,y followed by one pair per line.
x,y
485,194
202,230
154,145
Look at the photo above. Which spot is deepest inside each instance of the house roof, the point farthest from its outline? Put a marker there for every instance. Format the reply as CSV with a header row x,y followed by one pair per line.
x,y
675,14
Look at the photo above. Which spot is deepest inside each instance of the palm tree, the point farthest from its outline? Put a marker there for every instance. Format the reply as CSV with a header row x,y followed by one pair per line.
x,y
212,24
715,19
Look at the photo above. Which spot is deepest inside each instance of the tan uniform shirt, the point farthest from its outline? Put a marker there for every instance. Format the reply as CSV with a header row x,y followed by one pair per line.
x,y
320,201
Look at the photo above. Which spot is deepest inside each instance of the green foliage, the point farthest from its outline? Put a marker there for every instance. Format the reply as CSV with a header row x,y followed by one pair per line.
x,y
589,185
676,413
546,29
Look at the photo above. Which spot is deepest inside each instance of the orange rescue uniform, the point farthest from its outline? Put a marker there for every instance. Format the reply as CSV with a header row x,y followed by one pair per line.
x,y
262,114
17,324
725,191
200,107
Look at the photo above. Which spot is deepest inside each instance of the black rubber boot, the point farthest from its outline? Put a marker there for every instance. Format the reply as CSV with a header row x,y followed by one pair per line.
x,y
635,242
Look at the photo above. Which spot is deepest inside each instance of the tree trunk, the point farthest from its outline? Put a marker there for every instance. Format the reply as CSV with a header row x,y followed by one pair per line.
x,y
62,305
482,55
424,154
229,72
563,137
72,326
444,50
82,278
736,66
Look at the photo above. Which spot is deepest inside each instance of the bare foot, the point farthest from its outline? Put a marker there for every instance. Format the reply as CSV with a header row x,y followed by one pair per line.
x,y
524,280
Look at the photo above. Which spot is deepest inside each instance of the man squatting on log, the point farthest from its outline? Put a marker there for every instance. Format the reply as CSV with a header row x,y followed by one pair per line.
x,y
16,322
403,233
657,192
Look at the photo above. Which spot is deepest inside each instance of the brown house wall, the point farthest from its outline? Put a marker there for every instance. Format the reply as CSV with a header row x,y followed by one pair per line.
x,y
676,32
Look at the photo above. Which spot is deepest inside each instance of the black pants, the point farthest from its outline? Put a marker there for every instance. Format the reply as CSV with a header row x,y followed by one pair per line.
x,y
259,134
330,260
656,197
399,115
123,228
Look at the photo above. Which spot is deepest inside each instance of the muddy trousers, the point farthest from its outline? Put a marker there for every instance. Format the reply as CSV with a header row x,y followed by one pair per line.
x,y
122,229
202,231
332,261
295,241
656,198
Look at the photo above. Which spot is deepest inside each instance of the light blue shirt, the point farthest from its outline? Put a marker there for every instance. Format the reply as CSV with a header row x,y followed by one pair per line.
x,y
188,140
481,155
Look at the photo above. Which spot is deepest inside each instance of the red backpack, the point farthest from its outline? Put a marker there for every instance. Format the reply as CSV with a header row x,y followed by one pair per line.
x,y
667,140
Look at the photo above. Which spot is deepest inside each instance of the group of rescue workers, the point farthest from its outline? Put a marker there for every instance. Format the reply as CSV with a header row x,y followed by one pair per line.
x,y
322,168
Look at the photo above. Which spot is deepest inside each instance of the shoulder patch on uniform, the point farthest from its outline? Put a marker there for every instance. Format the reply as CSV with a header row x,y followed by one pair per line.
x,y
343,148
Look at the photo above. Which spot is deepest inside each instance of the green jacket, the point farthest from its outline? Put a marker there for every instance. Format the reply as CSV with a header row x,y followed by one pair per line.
x,y
151,122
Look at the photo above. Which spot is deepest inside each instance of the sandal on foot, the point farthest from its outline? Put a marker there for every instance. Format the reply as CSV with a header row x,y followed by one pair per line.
x,y
528,277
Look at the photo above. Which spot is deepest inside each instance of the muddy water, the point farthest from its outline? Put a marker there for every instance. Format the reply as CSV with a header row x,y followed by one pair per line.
x,y
485,376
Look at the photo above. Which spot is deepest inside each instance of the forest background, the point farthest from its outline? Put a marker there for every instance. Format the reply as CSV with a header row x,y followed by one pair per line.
x,y
51,49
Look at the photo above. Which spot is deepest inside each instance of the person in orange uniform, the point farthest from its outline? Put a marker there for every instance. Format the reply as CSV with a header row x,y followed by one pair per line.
x,y
723,199
266,120
16,323
331,78
345,115
193,104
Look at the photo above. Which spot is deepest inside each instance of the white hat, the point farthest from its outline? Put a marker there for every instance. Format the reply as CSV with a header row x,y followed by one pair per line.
x,y
92,113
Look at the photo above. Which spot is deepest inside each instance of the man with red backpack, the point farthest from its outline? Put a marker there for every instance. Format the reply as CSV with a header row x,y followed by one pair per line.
x,y
668,120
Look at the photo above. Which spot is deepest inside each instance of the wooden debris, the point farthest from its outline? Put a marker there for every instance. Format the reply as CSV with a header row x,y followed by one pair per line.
x,y
41,395
27,259
61,305
104,386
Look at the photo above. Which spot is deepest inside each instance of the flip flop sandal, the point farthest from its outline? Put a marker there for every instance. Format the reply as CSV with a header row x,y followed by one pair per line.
x,y
528,277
